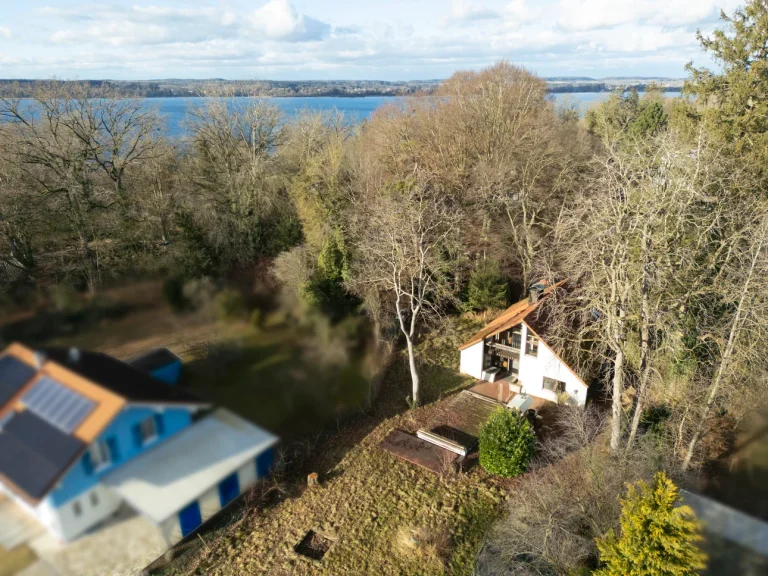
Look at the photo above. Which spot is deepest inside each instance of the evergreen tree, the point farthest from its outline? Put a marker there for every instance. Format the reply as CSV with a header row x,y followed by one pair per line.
x,y
487,287
733,103
657,538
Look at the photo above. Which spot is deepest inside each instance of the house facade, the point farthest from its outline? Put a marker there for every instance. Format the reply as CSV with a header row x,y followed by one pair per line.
x,y
512,350
82,434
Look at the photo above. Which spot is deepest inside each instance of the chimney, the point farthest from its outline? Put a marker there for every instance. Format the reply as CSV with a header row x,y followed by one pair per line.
x,y
533,295
74,355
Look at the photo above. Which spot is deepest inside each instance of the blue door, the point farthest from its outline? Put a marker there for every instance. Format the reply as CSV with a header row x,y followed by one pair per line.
x,y
264,463
229,489
190,518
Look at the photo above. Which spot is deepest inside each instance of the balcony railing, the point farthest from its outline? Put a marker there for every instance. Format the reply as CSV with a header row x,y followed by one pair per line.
x,y
513,349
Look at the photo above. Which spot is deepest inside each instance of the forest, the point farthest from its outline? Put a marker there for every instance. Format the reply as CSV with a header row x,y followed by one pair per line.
x,y
655,209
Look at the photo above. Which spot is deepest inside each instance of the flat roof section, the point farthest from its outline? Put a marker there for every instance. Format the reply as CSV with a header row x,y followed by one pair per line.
x,y
167,478
154,359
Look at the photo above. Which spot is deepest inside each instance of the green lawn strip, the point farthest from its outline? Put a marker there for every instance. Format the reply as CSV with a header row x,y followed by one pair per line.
x,y
268,377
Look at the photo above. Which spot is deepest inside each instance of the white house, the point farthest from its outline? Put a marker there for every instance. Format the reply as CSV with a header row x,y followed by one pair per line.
x,y
511,349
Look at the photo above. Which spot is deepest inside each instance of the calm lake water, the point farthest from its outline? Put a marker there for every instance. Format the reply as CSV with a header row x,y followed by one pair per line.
x,y
356,109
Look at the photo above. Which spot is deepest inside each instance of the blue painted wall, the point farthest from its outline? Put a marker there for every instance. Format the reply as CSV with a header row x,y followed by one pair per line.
x,y
169,373
120,436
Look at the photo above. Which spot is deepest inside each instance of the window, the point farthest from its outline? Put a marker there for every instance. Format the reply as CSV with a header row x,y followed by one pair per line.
x,y
148,430
100,455
532,345
76,508
555,385
94,499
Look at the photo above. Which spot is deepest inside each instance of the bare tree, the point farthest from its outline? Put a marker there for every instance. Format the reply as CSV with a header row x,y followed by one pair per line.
x,y
404,238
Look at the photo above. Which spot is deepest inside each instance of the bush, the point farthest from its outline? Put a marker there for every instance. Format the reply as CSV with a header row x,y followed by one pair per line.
x,y
257,319
507,443
173,293
487,287
228,305
657,535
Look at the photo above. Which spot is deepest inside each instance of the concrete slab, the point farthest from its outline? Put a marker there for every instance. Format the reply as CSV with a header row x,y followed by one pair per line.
x,y
419,452
16,526
122,546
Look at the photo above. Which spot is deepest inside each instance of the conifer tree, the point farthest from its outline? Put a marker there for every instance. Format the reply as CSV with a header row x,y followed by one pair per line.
x,y
658,538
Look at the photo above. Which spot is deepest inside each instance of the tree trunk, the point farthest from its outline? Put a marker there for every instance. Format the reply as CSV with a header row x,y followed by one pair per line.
x,y
414,373
733,334
645,370
618,382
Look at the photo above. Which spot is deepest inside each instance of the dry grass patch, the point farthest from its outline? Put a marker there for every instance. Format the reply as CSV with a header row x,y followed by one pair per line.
x,y
387,517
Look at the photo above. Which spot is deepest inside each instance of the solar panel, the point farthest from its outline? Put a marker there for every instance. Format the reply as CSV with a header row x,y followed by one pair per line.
x,y
34,453
57,404
13,375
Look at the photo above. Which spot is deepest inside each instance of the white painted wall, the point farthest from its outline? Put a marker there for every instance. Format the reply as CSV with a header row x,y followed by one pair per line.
x,y
533,369
471,360
246,475
209,502
61,521
171,529
91,514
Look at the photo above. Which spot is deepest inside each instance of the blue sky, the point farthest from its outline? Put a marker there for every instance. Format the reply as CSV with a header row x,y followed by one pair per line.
x,y
349,39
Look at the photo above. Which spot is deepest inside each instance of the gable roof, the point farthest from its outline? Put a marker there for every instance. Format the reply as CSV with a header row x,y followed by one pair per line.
x,y
39,443
120,378
512,316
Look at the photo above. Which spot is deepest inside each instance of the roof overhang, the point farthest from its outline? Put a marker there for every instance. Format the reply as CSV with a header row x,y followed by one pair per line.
x,y
165,479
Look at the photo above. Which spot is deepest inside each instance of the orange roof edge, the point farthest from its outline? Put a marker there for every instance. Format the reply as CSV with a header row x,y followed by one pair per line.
x,y
512,316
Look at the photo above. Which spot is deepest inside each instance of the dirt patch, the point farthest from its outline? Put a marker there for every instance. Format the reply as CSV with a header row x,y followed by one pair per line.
x,y
313,545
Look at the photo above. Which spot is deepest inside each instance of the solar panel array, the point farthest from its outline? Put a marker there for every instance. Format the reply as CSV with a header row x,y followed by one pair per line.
x,y
13,375
57,404
34,453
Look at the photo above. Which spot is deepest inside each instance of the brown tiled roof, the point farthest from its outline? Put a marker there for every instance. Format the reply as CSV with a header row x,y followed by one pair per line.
x,y
512,316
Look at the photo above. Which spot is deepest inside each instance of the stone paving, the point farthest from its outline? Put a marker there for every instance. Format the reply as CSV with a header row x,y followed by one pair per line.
x,y
122,546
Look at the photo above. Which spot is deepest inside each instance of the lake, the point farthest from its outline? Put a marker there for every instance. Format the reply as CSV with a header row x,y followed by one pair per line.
x,y
356,109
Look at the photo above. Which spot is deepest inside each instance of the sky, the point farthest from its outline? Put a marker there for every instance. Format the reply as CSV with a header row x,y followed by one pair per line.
x,y
349,39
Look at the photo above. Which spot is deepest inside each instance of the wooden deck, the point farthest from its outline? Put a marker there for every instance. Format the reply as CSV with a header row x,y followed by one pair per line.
x,y
498,391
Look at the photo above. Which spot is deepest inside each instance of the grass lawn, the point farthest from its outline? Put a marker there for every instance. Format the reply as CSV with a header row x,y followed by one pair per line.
x,y
270,377
368,503
13,561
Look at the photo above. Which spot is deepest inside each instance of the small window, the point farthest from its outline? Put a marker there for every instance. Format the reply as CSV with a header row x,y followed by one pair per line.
x,y
555,386
76,508
94,499
148,428
532,345
100,455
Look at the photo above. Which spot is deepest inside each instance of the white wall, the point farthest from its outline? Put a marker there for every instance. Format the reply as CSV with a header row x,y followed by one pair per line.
x,y
533,369
471,360
209,502
171,529
61,521
91,514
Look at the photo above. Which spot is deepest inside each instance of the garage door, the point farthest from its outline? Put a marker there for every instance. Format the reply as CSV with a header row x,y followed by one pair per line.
x,y
190,518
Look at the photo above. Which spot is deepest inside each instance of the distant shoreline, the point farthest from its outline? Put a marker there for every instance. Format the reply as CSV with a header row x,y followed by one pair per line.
x,y
322,89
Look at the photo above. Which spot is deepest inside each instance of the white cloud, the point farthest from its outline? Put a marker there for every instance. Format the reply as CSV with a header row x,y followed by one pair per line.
x,y
592,14
5,32
279,38
279,20
466,11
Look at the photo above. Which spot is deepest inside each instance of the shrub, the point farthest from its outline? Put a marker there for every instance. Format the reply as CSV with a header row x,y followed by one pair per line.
x,y
657,536
173,293
257,318
65,298
487,287
228,305
507,443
